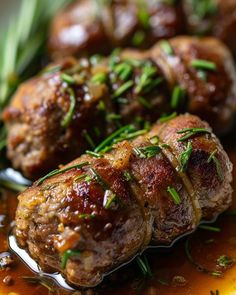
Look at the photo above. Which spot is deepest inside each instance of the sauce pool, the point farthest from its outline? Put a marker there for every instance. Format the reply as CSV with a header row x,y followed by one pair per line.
x,y
172,272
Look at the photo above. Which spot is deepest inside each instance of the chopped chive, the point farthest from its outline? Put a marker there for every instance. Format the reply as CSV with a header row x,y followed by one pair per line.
x,y
154,139
99,78
144,266
185,156
166,118
123,88
217,163
99,179
109,199
67,255
86,216
166,47
113,116
69,115
80,177
110,139
93,154
210,228
127,176
147,152
144,102
59,171
123,70
177,95
190,132
203,64
146,80
225,261
138,38
89,139
67,78
132,135
174,194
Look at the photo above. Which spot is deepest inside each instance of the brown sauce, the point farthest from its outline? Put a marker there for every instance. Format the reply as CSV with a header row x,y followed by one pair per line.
x,y
172,271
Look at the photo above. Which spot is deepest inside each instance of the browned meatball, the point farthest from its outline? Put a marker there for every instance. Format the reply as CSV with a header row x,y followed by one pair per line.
x,y
184,74
214,17
90,27
97,213
204,69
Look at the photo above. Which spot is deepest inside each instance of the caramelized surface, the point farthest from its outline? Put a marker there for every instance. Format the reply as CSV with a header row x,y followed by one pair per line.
x,y
206,248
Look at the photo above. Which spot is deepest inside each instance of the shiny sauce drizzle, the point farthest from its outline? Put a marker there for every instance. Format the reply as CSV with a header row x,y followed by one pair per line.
x,y
213,252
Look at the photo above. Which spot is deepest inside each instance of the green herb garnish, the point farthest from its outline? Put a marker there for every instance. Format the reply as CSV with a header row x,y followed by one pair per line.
x,y
203,64
190,132
89,139
110,199
99,78
174,194
138,38
144,265
166,47
144,102
147,151
219,170
67,255
154,140
69,115
210,228
86,216
225,261
185,156
127,176
59,171
177,96
93,154
123,88
166,118
68,79
123,70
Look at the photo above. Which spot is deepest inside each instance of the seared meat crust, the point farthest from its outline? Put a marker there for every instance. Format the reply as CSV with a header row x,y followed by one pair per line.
x,y
108,209
84,27
127,87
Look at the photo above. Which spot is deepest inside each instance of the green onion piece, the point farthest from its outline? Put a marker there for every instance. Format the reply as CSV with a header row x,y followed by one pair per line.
x,y
59,171
174,194
123,70
219,170
146,81
166,118
99,78
67,255
190,132
69,115
185,156
166,47
203,64
210,228
147,152
144,102
68,79
177,95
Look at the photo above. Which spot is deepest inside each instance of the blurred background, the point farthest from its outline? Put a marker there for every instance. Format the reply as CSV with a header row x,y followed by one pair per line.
x,y
7,8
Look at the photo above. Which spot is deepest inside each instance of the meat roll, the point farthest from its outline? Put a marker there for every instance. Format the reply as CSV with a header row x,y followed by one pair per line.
x,y
96,213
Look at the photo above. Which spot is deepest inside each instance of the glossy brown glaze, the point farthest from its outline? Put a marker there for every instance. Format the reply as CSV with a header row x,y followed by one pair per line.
x,y
37,141
167,266
66,214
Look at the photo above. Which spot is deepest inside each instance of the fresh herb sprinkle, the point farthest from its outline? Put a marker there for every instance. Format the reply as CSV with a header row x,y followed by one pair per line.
x,y
69,115
147,151
166,47
190,132
67,255
174,194
185,156
177,96
203,64
219,170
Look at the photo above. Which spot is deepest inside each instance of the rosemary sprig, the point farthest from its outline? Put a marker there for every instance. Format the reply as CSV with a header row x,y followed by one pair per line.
x,y
190,132
147,151
144,265
59,171
210,228
69,115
